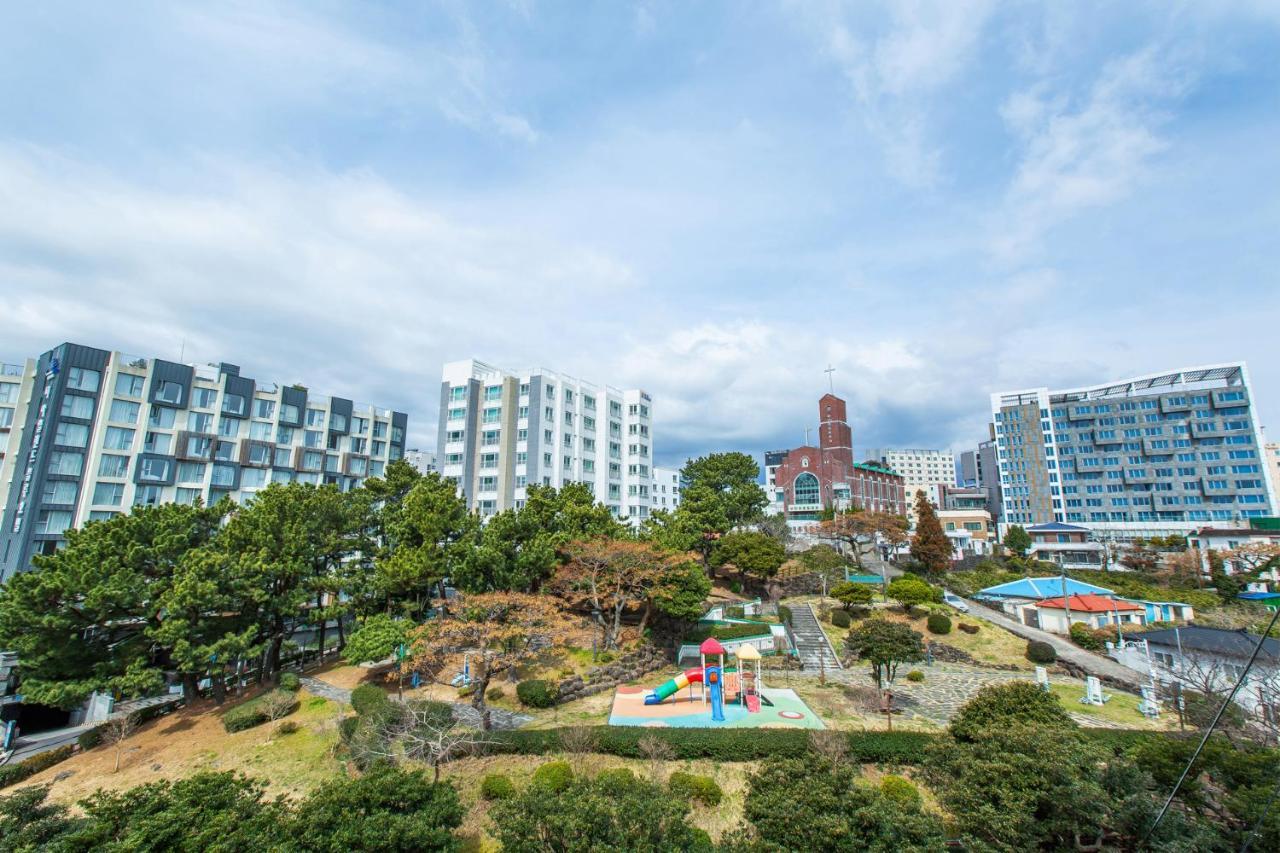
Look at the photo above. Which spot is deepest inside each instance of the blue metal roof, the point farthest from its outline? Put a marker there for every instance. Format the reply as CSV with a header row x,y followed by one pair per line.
x,y
1054,526
1258,596
1041,588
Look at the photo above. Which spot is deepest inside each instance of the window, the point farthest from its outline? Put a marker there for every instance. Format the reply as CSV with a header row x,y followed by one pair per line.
x,y
75,406
171,392
200,422
199,446
288,413
6,417
53,522
83,379
253,478
312,438
264,409
187,496
334,441
128,385
9,392
162,417
337,422
488,460
228,427
283,458
359,425
118,438
147,495
379,448
191,472
358,445
224,475
224,451
331,463
72,435
158,442
493,392
59,492
284,435
806,489
458,392
108,494
204,397
492,415
379,429
455,414
358,465
102,515
154,470
260,431
234,404
112,465
65,462
315,417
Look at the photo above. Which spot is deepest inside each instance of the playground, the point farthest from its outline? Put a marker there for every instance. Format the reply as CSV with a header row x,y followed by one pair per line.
x,y
713,695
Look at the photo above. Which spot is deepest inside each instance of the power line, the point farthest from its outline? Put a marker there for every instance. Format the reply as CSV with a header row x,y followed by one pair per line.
x,y
1212,725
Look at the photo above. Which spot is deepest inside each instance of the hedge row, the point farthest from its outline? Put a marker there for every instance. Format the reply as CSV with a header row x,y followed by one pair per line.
x,y
720,744
756,744
726,631
12,774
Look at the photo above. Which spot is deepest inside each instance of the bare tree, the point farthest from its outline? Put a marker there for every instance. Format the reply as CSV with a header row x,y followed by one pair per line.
x,y
578,741
1254,556
657,752
423,731
116,730
831,745
276,705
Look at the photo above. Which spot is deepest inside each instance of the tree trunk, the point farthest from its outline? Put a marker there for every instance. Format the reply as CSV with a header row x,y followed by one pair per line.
x,y
324,621
616,628
272,669
477,699
644,620
342,635
218,682
190,687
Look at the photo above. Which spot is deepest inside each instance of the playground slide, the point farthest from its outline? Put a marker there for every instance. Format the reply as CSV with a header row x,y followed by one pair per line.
x,y
676,684
753,703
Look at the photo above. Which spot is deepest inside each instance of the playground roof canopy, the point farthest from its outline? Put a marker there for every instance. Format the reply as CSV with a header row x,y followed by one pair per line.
x,y
747,652
711,646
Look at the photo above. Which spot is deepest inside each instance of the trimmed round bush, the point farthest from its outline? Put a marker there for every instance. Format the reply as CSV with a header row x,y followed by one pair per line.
x,y
840,619
369,698
938,623
494,693
536,693
997,706
290,681
554,776
617,777
694,788
915,675
900,790
496,786
288,727
1039,651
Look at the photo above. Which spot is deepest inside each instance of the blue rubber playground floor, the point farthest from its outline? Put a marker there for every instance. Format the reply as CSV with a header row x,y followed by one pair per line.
x,y
687,710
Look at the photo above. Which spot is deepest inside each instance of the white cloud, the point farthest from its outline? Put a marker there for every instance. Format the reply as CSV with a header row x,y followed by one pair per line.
x,y
1086,153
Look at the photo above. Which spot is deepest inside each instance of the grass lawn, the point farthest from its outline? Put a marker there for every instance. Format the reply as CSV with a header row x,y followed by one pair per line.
x,y
193,739
831,703
1121,709
991,645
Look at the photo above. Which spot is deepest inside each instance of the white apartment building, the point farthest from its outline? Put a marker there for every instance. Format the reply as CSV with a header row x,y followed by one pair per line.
x,y
89,433
922,471
1271,453
502,431
666,489
423,460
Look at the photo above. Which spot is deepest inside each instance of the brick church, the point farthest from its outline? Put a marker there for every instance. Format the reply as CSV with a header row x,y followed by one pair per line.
x,y
807,480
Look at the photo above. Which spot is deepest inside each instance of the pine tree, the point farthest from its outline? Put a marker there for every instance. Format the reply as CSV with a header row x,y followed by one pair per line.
x,y
930,544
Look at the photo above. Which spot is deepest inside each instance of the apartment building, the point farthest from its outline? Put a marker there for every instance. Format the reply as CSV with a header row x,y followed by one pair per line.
x,y
1271,453
979,469
666,489
922,471
423,460
502,431
1154,455
90,433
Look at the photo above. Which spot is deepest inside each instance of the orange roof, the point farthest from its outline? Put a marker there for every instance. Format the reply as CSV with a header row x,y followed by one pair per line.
x,y
1090,603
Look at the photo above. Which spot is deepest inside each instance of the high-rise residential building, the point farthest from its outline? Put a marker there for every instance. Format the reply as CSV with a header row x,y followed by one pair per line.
x,y
666,489
979,469
1153,455
807,480
921,470
1271,452
772,460
502,431
90,433
423,460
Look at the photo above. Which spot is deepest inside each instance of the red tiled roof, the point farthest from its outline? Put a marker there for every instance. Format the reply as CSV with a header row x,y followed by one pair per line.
x,y
1090,603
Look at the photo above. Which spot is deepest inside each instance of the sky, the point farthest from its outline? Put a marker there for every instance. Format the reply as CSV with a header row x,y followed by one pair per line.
x,y
711,201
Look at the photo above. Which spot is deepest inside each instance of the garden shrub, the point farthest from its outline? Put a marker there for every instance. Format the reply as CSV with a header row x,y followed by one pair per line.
x,y
1041,652
997,706
554,776
967,628
12,774
900,790
90,738
249,714
464,692
938,624
840,619
691,787
1083,636
290,681
616,777
347,727
784,613
725,631
288,727
368,698
496,786
536,693
915,675
494,693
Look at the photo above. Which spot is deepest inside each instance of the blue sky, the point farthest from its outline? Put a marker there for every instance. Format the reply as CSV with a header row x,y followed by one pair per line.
x,y
712,201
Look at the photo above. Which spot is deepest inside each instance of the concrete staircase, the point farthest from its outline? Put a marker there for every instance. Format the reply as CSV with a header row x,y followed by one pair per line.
x,y
811,642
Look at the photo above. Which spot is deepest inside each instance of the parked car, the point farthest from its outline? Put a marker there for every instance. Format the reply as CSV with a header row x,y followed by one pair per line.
x,y
955,601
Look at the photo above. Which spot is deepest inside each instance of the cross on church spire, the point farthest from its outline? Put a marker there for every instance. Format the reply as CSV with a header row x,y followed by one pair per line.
x,y
830,381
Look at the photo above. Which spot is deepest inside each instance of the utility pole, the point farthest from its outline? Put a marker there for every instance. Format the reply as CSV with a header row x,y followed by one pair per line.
x,y
1066,601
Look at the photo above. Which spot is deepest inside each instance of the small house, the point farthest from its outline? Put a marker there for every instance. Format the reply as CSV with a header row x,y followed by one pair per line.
x,y
1095,611
1068,545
